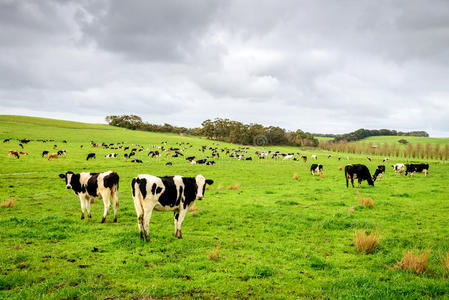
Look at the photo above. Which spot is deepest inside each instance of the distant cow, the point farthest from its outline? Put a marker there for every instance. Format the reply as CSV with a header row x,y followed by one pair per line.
x,y
174,193
23,153
112,155
52,155
6,140
91,185
385,159
316,168
44,153
399,168
304,158
137,161
314,156
169,163
13,153
200,161
210,163
380,171
62,152
91,155
358,171
190,158
420,168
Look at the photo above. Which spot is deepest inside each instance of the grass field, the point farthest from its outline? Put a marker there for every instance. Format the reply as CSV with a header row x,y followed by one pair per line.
x,y
410,139
273,237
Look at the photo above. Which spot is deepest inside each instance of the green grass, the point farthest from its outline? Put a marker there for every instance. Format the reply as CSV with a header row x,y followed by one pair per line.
x,y
276,237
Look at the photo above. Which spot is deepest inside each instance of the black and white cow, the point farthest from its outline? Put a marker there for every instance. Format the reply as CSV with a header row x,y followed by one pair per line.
x,y
380,171
44,153
420,168
111,155
399,168
316,168
91,185
90,155
171,193
62,153
358,171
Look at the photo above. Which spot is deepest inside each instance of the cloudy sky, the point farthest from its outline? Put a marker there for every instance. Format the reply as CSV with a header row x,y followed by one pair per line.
x,y
321,66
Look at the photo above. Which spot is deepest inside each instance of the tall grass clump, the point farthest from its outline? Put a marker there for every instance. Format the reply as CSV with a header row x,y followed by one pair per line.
x,y
416,263
8,203
366,243
445,263
366,201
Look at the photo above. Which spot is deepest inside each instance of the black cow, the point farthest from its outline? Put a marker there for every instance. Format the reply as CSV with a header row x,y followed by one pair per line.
x,y
91,185
190,158
90,155
174,193
358,171
210,163
137,161
169,163
380,171
420,168
44,153
316,168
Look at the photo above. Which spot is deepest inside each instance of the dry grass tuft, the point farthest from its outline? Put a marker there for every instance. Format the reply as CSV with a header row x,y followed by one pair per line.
x,y
295,176
366,201
351,210
207,187
322,175
366,243
219,187
414,262
8,203
214,254
234,187
445,263
340,168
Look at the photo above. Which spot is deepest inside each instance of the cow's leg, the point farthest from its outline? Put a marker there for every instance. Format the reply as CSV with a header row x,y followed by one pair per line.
x,y
139,211
175,220
426,172
313,174
87,201
83,204
182,214
114,195
352,181
147,211
107,203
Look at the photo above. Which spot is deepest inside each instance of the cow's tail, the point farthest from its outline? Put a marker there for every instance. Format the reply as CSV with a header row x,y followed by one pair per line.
x,y
137,194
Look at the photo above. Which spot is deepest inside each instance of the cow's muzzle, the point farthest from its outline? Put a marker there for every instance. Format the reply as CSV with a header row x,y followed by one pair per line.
x,y
68,187
199,197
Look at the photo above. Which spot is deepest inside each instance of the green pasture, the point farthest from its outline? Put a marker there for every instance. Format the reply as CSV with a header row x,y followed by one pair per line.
x,y
274,237
379,140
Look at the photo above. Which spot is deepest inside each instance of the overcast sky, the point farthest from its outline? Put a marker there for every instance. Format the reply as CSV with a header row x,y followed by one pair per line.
x,y
320,66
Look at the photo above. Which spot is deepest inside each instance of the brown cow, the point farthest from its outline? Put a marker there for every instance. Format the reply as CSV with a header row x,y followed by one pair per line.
x,y
23,153
52,155
13,153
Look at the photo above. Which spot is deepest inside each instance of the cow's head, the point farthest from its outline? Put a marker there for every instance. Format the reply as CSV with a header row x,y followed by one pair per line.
x,y
68,179
201,182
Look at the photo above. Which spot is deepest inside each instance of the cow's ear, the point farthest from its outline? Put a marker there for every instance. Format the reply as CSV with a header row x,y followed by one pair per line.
x,y
209,181
62,175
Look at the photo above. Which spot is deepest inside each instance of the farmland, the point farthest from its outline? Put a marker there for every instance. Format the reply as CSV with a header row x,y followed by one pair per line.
x,y
272,237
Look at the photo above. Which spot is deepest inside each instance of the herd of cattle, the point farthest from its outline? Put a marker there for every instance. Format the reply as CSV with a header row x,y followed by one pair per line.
x,y
177,193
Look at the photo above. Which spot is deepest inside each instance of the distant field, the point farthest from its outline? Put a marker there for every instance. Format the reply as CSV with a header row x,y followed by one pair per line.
x,y
274,237
410,139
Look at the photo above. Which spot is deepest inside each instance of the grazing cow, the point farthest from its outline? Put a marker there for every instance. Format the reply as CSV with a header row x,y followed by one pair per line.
x,y
201,161
23,153
91,185
21,146
6,140
169,163
137,161
386,159
420,168
380,171
316,168
91,155
44,153
329,156
190,158
62,152
314,156
339,157
289,157
174,193
358,171
52,155
25,141
210,163
368,158
304,158
13,153
112,155
399,168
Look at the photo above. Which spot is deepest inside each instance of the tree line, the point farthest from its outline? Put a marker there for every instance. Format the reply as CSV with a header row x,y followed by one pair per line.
x,y
236,132
224,130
